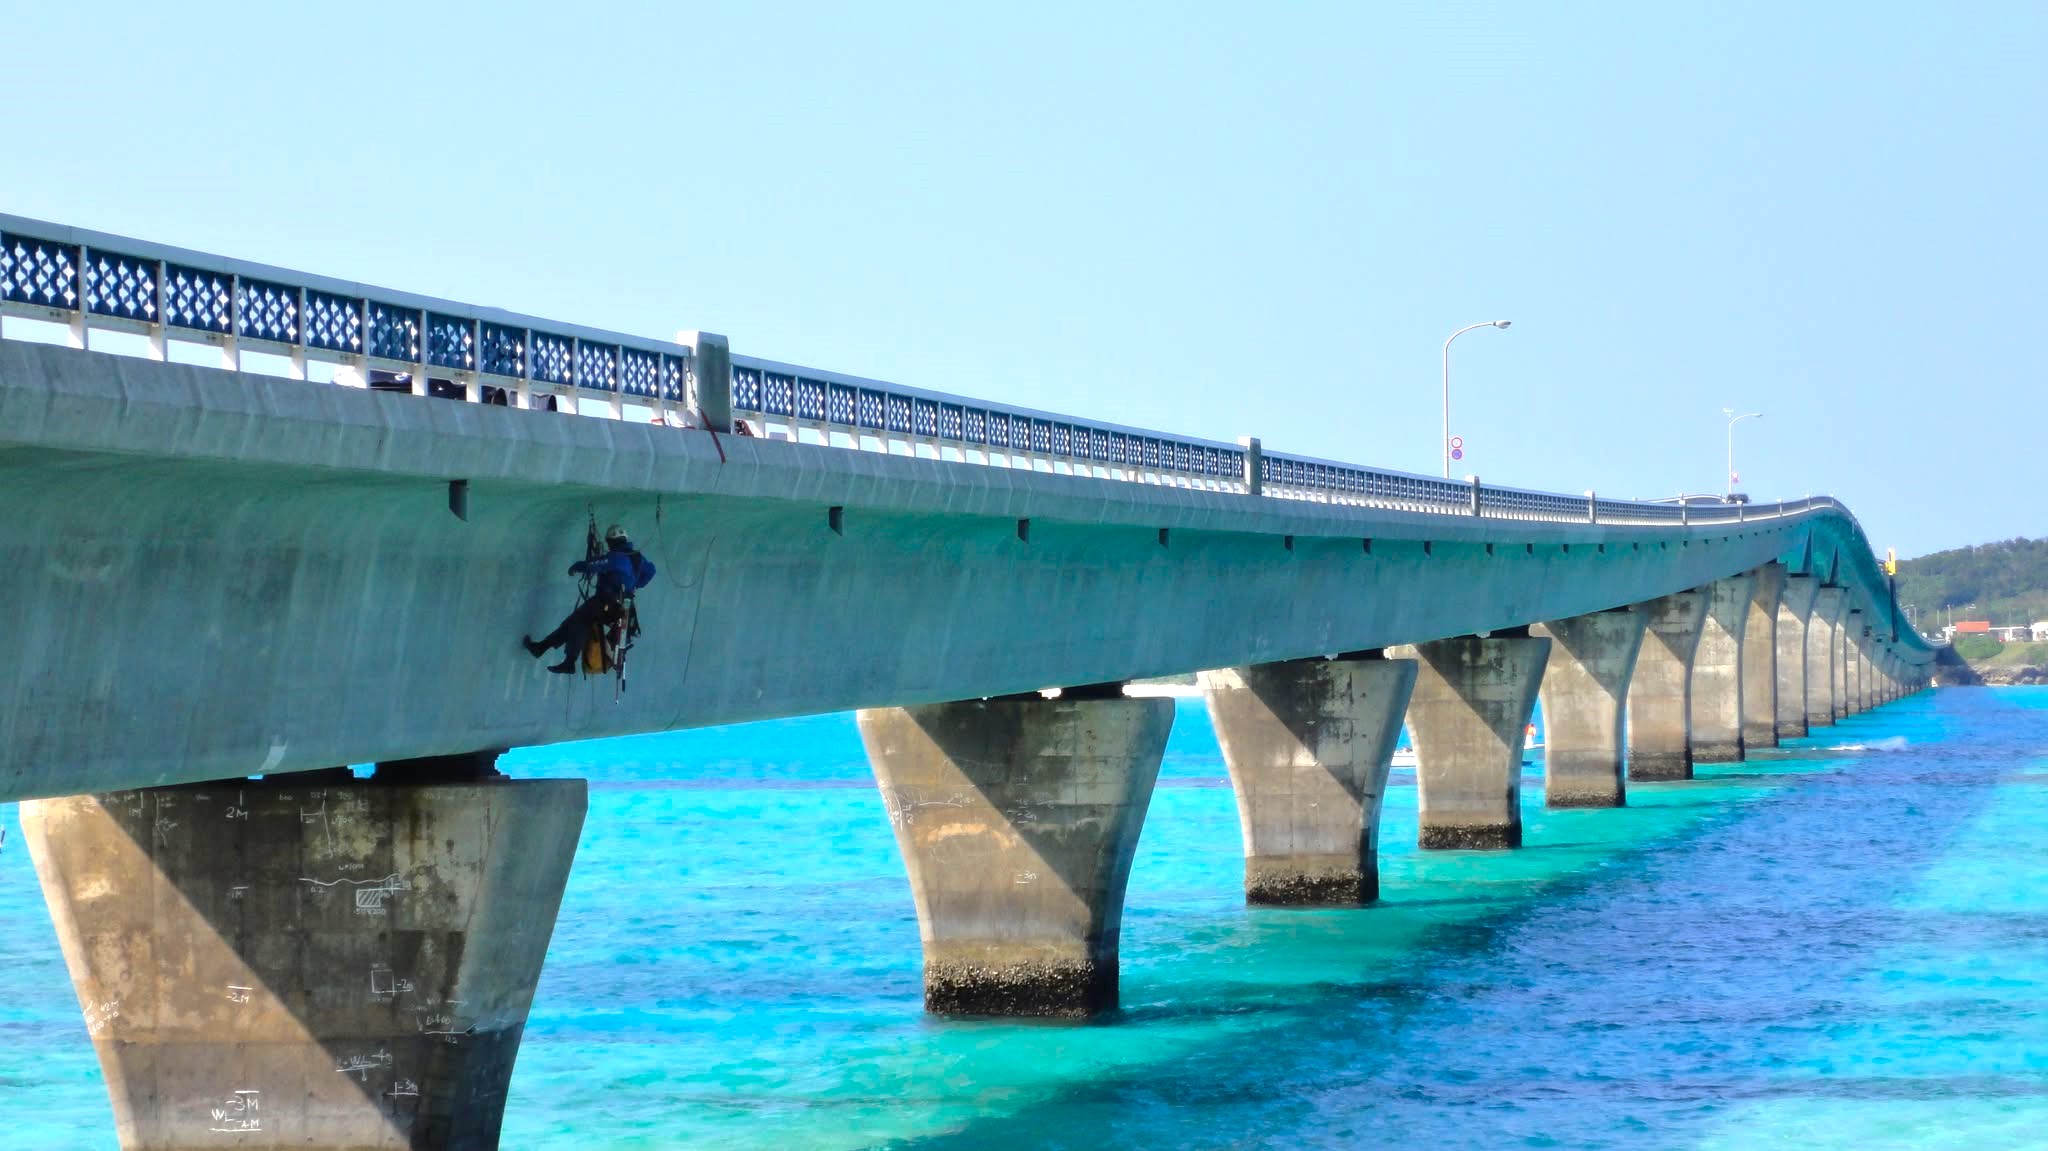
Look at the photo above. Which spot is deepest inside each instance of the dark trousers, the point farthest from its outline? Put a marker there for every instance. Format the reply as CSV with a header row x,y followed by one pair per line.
x,y
574,630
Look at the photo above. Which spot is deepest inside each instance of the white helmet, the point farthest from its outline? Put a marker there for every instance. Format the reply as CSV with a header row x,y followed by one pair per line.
x,y
614,532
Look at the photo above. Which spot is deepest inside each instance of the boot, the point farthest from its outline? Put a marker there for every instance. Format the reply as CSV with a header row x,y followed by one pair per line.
x,y
563,668
536,650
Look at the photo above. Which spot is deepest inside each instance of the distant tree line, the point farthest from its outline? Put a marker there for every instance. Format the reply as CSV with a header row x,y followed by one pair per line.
x,y
2007,580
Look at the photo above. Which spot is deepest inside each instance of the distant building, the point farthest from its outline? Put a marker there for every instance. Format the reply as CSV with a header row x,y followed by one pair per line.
x,y
2014,634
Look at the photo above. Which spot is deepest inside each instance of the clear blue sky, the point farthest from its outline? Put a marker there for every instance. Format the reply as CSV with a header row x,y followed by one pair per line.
x,y
1220,221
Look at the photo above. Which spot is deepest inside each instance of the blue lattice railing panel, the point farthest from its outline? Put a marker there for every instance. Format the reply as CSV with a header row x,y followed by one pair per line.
x,y
266,311
394,333
841,400
673,371
198,299
597,366
639,373
746,389
451,342
810,399
554,358
121,286
39,272
334,322
501,350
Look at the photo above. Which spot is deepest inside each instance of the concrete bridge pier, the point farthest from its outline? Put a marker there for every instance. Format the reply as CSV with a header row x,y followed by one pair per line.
x,y
1308,743
1660,691
1851,630
1018,817
1866,674
1824,656
1852,663
1717,671
1468,715
307,961
1795,608
1584,695
1760,659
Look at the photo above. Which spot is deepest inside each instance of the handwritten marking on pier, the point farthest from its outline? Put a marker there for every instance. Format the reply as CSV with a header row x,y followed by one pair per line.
x,y
383,984
371,895
237,1113
404,1087
239,994
97,1017
361,1065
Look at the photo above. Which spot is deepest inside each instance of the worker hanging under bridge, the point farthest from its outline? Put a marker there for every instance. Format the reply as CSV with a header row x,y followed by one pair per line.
x,y
600,629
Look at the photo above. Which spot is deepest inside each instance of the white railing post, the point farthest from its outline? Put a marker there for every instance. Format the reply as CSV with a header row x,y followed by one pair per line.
x,y
710,389
159,330
1254,466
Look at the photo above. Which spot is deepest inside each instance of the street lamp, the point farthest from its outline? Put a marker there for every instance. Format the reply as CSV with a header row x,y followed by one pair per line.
x,y
1447,384
1734,419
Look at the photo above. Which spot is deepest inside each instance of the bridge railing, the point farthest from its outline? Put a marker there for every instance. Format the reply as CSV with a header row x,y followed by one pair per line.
x,y
89,281
791,400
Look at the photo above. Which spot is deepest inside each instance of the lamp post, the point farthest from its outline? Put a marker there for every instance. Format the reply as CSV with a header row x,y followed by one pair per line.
x,y
1734,419
1447,384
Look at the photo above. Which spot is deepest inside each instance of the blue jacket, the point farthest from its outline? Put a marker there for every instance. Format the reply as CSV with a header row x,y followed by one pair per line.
x,y
620,571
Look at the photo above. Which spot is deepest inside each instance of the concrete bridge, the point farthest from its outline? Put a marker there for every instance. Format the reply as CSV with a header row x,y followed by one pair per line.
x,y
321,546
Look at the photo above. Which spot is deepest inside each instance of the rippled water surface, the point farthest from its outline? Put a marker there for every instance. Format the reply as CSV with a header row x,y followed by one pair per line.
x,y
1843,944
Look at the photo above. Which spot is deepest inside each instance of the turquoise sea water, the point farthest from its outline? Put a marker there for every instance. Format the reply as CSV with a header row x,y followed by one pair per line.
x,y
1844,944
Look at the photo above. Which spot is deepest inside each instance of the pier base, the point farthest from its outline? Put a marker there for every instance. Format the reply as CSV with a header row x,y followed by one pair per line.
x,y
1585,689
273,964
1018,818
1470,710
1660,691
1308,744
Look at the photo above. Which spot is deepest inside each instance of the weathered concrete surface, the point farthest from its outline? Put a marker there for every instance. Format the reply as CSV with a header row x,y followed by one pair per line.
x,y
1468,717
1824,657
311,615
1018,819
1866,677
1851,702
1308,744
1660,691
265,964
1760,659
1795,606
1585,696
1717,671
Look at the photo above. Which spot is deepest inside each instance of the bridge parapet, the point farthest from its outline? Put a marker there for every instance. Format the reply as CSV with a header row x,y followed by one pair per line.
x,y
90,281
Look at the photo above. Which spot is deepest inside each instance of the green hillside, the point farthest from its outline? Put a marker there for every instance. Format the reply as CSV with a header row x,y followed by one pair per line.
x,y
2007,580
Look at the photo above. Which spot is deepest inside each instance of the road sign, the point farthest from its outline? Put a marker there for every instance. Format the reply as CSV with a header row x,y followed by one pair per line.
x,y
1457,453
1457,442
